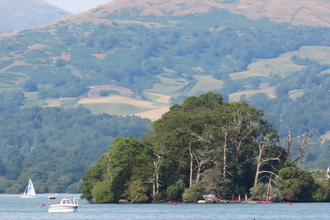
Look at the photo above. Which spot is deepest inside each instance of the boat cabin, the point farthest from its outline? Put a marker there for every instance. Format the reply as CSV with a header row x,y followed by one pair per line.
x,y
70,201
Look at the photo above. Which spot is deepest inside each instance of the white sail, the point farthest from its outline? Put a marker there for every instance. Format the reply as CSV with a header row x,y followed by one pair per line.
x,y
328,173
29,191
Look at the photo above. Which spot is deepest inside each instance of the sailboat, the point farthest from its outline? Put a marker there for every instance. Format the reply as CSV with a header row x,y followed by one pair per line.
x,y
29,192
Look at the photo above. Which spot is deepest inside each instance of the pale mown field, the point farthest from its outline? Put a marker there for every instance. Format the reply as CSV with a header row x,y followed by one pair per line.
x,y
237,96
283,66
168,85
206,83
123,105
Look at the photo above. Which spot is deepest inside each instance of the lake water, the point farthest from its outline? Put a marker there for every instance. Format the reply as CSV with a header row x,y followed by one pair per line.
x,y
14,207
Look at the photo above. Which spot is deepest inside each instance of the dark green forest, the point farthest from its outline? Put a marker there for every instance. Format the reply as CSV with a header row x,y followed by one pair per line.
x,y
203,146
54,146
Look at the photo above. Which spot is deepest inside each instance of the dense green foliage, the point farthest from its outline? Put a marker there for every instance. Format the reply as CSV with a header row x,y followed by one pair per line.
x,y
54,146
321,190
194,193
122,170
203,145
296,185
11,99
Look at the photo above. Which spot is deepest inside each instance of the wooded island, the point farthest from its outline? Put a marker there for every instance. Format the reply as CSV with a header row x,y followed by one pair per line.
x,y
202,146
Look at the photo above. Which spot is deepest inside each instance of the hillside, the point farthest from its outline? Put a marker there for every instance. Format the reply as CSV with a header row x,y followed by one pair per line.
x,y
19,15
98,45
304,12
131,57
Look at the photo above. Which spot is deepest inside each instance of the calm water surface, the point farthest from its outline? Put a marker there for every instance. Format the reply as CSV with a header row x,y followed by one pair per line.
x,y
13,207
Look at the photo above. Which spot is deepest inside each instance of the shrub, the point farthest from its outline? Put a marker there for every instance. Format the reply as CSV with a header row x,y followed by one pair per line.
x,y
30,86
60,63
102,193
136,192
174,193
194,193
103,93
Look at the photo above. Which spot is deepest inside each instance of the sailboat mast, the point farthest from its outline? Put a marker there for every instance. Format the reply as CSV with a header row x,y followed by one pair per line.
x,y
268,189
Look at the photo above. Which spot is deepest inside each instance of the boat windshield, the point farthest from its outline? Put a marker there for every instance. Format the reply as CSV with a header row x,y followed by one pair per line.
x,y
69,201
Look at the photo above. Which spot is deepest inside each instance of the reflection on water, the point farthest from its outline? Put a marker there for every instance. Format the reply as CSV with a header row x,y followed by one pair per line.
x,y
14,207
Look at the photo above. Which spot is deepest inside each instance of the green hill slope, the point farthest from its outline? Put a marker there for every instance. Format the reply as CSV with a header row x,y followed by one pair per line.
x,y
126,48
139,57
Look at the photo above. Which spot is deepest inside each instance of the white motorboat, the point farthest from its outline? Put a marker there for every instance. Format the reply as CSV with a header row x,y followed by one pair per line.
x,y
53,196
66,205
29,192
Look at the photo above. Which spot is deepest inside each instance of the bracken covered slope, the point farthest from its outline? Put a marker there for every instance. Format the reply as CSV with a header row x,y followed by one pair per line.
x,y
296,12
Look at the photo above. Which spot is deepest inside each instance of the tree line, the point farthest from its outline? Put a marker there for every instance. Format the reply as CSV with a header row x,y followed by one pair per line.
x,y
54,146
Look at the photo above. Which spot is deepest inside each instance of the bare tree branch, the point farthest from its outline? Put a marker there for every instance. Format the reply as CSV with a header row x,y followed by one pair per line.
x,y
304,143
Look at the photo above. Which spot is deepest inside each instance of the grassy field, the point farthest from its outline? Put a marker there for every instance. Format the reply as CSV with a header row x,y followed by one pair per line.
x,y
58,102
120,109
168,85
206,83
321,54
116,99
126,103
237,96
283,66
155,114
123,91
159,98
120,105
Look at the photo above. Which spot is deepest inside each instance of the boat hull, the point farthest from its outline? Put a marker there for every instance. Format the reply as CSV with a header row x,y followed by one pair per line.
x,y
62,208
28,197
